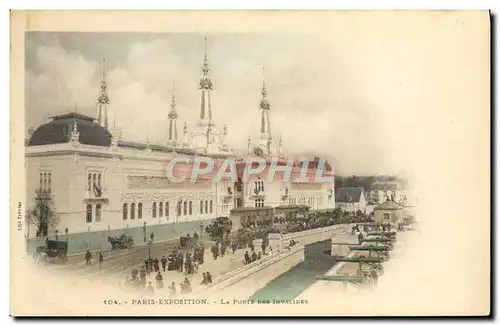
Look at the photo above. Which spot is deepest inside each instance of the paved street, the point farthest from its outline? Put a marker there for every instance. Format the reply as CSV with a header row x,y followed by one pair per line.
x,y
119,263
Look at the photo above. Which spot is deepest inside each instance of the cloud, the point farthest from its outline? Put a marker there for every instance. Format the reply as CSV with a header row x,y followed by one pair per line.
x,y
317,104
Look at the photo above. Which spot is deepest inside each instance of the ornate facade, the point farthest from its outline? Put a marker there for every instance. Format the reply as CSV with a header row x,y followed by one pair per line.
x,y
102,185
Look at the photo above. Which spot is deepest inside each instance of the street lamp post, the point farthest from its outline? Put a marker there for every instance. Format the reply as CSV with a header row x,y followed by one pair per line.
x,y
88,238
201,233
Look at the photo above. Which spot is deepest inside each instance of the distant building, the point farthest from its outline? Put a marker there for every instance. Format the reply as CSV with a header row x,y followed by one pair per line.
x,y
351,199
388,212
394,190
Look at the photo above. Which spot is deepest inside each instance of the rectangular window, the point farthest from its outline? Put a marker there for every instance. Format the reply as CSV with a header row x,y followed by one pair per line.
x,y
98,213
89,214
387,216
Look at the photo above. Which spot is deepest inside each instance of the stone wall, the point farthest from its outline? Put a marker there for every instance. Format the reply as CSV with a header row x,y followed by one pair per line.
x,y
240,284
315,235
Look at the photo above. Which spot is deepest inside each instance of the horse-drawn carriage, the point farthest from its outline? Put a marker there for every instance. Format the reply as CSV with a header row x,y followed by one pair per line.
x,y
121,242
54,251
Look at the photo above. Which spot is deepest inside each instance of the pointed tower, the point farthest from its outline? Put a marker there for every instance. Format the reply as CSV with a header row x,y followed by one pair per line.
x,y
172,121
185,142
103,100
265,107
148,143
249,144
206,90
74,137
224,138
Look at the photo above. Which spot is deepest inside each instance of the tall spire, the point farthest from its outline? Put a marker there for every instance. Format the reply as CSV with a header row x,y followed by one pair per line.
x,y
265,125
185,135
172,119
74,134
103,99
206,88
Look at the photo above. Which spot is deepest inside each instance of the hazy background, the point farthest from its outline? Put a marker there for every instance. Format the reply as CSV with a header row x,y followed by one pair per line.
x,y
327,97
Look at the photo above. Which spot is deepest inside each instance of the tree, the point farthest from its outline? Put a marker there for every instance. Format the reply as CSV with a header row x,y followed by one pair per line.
x,y
43,215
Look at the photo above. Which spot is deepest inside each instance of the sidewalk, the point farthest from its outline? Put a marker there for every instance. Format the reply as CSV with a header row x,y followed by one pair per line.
x,y
215,267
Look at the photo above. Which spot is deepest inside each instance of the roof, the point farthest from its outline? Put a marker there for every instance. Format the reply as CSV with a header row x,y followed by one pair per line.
x,y
388,205
154,147
348,194
59,129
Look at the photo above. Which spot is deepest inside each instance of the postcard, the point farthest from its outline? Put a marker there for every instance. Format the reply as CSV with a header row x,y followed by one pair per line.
x,y
250,163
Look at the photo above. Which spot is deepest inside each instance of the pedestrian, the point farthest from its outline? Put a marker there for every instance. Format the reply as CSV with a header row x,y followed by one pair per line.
x,y
374,276
143,273
259,256
187,285
360,238
88,257
172,289
209,277
101,259
150,288
254,256
163,263
247,258
152,236
156,264
142,283
205,279
159,280
134,274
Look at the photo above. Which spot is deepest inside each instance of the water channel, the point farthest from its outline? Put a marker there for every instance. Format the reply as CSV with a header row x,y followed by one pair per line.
x,y
289,285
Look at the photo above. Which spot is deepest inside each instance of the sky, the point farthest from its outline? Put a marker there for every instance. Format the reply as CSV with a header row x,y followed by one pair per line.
x,y
341,100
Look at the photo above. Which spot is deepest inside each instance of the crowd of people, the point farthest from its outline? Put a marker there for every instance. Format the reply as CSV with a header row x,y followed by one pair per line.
x,y
182,260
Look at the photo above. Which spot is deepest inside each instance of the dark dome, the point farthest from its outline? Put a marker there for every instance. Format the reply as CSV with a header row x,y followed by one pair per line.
x,y
58,131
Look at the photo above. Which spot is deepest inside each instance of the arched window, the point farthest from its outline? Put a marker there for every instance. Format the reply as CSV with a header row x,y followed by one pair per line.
x,y
93,181
190,208
179,208
97,212
262,185
154,209
99,180
132,211
89,213
139,211
41,181
201,206
125,211
185,207
50,181
211,207
167,209
44,181
160,213
206,206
